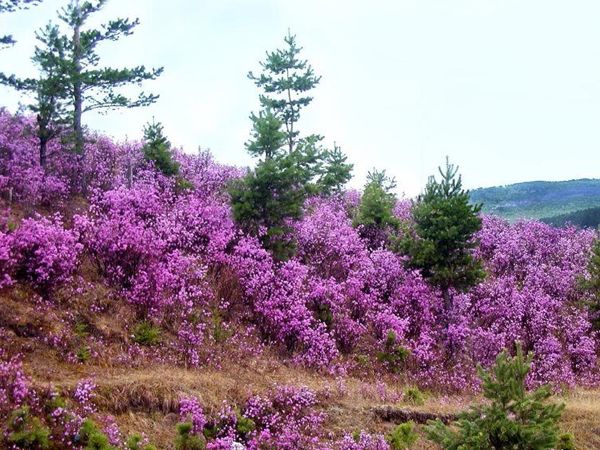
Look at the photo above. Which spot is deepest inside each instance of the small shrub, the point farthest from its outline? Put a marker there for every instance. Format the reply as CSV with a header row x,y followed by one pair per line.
x,y
135,442
414,395
566,441
83,353
403,436
146,333
245,425
185,440
514,418
394,355
219,332
28,432
91,438
81,329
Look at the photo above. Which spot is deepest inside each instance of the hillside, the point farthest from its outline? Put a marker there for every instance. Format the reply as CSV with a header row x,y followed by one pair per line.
x,y
538,199
140,302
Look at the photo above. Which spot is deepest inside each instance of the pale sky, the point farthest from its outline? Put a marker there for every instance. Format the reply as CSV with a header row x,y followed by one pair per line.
x,y
509,89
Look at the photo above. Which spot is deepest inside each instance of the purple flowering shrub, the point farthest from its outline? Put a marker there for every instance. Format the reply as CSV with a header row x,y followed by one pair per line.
x,y
44,253
163,246
286,418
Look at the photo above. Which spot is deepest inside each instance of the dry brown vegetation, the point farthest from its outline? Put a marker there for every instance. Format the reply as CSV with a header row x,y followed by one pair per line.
x,y
144,398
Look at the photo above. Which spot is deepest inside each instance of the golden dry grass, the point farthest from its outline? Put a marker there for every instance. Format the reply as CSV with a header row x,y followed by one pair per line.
x,y
145,398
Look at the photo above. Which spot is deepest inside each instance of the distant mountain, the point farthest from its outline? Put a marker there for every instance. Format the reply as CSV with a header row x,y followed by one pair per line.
x,y
545,200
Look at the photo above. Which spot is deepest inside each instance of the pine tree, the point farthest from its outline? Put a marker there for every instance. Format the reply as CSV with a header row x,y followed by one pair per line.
x,y
267,137
444,227
285,80
157,149
70,70
11,6
48,90
513,419
375,217
335,171
275,191
92,88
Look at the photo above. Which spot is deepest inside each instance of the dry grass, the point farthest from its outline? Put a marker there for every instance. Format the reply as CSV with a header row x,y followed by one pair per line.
x,y
145,398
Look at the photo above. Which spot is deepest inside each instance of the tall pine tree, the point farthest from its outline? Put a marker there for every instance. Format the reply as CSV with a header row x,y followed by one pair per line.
x,y
285,81
272,194
92,87
48,92
445,223
70,72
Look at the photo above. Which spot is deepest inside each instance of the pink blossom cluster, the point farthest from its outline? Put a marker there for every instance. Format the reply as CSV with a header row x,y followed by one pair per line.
x,y
40,252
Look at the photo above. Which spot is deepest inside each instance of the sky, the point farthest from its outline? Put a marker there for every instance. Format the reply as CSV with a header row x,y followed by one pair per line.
x,y
508,89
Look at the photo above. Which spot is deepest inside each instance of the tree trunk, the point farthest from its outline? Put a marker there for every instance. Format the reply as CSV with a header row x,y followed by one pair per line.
x,y
78,96
43,151
448,305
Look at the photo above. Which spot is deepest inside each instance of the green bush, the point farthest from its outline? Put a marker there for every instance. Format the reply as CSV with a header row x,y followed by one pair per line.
x,y
146,333
134,442
394,355
403,436
513,419
91,438
414,395
245,425
27,432
185,440
83,353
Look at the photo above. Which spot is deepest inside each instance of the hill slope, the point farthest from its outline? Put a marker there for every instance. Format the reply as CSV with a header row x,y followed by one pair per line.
x,y
538,199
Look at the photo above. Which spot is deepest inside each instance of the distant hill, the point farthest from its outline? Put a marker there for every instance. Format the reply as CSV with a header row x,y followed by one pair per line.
x,y
553,201
584,218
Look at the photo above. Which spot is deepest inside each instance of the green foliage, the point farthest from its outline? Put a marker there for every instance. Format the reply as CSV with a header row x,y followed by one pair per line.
x,y
185,440
91,438
146,333
244,425
377,203
267,137
514,418
566,441
285,81
414,395
583,218
134,442
393,355
81,329
275,191
403,436
27,432
49,90
157,149
442,244
83,353
219,332
375,215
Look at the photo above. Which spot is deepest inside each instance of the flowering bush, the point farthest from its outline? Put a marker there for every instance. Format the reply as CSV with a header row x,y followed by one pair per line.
x,y
45,253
